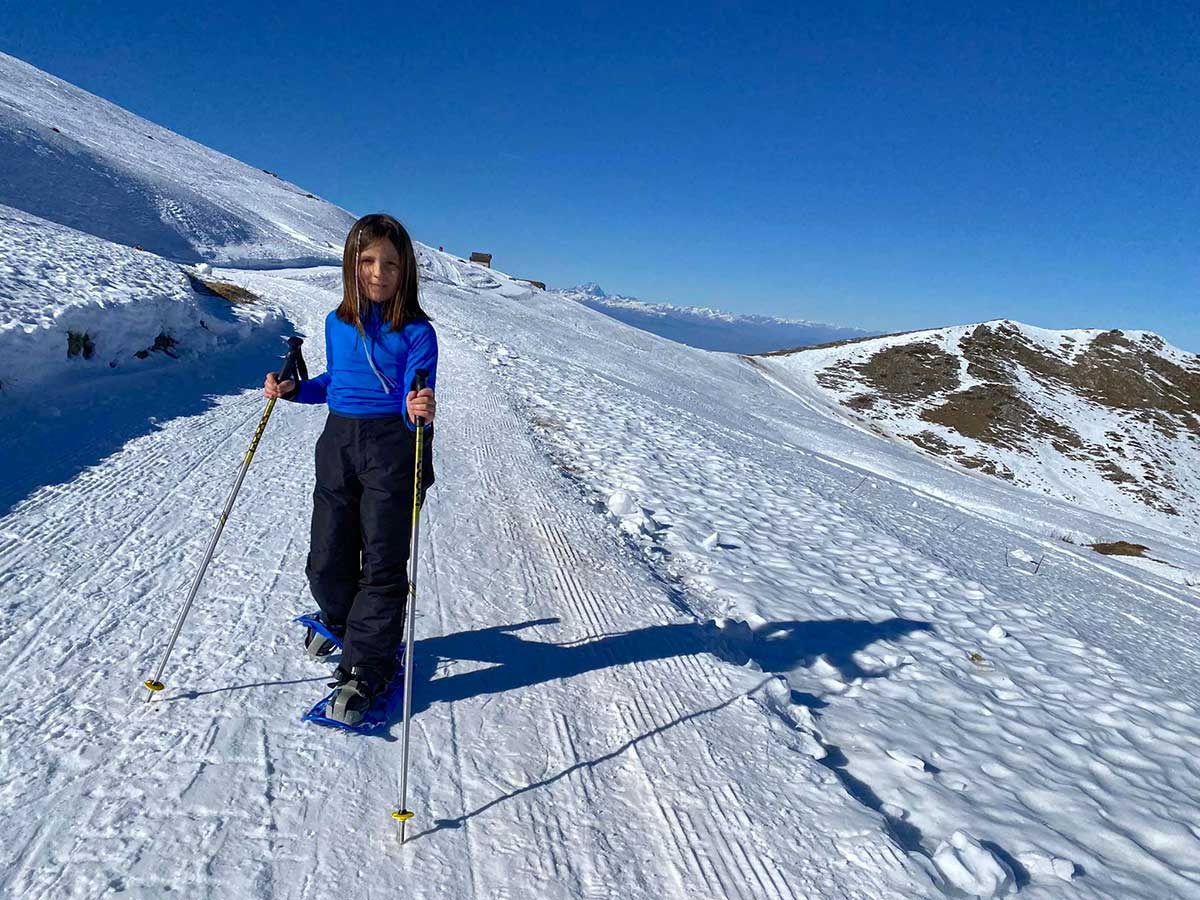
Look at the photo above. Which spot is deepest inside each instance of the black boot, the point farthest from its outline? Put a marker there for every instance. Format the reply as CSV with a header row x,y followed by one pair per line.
x,y
354,692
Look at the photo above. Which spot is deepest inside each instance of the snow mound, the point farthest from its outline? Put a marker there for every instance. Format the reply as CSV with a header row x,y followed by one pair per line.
x,y
74,306
972,868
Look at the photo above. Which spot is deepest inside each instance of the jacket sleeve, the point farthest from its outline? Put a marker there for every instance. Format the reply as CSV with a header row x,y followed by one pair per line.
x,y
314,390
422,354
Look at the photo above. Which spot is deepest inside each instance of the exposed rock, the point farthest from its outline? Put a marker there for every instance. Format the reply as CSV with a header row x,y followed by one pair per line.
x,y
1120,406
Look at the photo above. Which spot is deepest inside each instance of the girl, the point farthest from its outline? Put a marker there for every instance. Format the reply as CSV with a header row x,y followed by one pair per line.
x,y
375,341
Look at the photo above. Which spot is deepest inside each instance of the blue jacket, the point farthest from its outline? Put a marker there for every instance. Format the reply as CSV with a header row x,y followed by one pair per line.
x,y
352,386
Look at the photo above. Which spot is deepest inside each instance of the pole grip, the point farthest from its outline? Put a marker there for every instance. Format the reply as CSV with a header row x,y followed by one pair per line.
x,y
293,362
419,383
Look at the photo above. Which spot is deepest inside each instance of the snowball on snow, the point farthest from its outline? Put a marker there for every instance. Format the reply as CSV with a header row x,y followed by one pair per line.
x,y
621,503
972,868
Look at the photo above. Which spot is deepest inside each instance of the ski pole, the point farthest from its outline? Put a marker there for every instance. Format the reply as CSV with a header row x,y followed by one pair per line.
x,y
293,365
403,814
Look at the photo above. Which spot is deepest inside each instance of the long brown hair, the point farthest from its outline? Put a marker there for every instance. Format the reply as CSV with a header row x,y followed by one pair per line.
x,y
404,305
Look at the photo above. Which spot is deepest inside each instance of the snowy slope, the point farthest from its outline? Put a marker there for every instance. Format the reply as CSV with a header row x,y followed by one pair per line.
x,y
709,329
574,736
1107,420
76,159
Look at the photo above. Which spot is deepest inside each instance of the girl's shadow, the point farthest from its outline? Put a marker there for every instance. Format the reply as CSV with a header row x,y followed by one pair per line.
x,y
518,663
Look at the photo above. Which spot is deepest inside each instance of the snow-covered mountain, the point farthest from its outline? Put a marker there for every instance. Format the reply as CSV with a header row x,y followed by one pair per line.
x,y
76,159
685,629
1107,419
709,329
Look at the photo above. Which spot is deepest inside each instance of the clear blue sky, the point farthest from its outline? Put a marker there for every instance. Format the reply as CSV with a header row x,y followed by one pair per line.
x,y
862,163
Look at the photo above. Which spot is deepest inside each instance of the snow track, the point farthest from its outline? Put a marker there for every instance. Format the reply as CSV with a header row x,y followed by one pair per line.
x,y
573,736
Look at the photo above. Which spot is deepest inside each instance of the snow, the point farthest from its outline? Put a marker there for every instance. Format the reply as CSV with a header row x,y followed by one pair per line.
x,y
55,281
88,164
791,711
684,630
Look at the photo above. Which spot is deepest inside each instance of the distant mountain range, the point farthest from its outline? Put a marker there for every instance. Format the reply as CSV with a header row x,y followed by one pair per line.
x,y
710,329
1103,418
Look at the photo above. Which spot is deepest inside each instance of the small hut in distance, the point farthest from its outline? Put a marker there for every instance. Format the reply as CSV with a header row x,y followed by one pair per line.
x,y
484,258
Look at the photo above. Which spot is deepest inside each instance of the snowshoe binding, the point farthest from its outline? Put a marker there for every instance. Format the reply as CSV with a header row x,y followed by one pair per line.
x,y
353,695
361,700
320,638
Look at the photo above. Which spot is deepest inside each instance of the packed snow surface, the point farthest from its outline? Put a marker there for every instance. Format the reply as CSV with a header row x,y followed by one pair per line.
x,y
680,635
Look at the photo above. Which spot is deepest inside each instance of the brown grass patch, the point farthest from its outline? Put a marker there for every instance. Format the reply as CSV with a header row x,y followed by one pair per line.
x,y
230,292
1120,548
911,371
1113,371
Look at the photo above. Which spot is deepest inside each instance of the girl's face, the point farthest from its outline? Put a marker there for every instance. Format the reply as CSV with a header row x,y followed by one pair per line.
x,y
379,270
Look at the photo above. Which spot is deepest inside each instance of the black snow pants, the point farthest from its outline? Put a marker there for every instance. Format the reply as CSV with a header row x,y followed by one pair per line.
x,y
361,530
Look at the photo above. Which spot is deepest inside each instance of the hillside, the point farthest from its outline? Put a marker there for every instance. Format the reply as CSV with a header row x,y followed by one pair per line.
x,y
76,159
1109,420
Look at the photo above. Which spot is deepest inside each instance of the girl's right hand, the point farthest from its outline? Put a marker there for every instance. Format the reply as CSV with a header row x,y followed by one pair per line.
x,y
275,389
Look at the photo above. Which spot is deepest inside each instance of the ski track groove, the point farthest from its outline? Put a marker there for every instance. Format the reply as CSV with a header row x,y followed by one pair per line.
x,y
569,586
562,560
718,877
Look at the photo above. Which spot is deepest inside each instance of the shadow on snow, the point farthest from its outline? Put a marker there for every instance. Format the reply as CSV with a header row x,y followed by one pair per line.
x,y
519,662
77,426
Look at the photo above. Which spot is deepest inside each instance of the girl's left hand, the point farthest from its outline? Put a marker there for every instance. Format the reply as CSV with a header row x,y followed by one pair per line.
x,y
421,405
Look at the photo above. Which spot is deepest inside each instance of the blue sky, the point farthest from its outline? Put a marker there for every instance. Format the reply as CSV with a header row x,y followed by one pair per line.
x,y
869,165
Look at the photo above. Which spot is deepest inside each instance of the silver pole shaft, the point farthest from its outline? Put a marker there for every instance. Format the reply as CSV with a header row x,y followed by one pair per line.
x,y
212,546
410,622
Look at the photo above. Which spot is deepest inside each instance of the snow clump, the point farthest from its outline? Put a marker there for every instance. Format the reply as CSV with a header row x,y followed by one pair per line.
x,y
972,868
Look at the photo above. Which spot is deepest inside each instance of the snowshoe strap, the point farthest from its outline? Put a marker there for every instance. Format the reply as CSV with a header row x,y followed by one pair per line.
x,y
317,647
338,706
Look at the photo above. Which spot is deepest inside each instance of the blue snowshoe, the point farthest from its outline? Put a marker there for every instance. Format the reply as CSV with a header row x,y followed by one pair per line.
x,y
362,699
